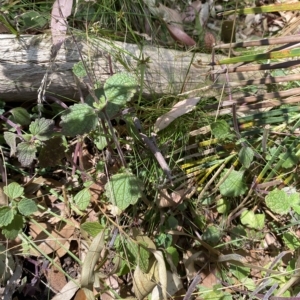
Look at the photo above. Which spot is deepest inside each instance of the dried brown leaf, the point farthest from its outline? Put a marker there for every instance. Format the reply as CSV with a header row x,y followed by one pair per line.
x,y
48,244
180,36
179,109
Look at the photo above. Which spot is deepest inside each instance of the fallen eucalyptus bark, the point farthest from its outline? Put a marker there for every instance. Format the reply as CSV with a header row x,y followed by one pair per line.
x,y
24,61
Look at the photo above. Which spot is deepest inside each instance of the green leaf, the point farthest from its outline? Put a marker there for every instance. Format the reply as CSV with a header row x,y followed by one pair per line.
x,y
79,69
42,129
32,19
223,206
10,139
174,254
78,119
143,258
251,220
6,215
20,116
212,235
239,272
123,190
26,153
289,158
220,129
291,241
12,230
13,190
233,185
82,199
92,228
278,202
120,88
100,142
27,207
246,155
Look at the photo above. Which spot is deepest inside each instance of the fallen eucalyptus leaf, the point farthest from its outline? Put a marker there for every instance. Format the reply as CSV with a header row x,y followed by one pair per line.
x,y
179,109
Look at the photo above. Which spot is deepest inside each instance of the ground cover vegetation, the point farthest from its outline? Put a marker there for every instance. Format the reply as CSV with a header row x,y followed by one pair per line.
x,y
130,194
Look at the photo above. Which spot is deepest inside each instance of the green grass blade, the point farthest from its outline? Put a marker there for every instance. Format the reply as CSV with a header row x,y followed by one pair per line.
x,y
255,57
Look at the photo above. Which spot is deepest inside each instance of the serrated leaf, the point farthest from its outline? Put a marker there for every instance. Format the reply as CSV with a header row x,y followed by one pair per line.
x,y
120,88
42,129
291,241
79,69
20,116
233,185
92,228
13,190
252,220
123,190
27,207
26,153
6,215
246,155
10,139
278,202
82,199
12,230
220,129
78,119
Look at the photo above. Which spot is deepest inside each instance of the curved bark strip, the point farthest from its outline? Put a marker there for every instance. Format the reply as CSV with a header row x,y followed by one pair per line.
x,y
24,61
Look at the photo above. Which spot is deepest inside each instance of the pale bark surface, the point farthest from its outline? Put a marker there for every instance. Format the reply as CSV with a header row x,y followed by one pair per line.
x,y
24,61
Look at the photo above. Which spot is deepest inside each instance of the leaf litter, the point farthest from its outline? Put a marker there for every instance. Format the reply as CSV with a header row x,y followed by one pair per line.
x,y
158,280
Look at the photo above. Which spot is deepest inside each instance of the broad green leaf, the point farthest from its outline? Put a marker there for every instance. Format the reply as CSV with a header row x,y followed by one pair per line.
x,y
252,220
220,129
217,293
92,228
123,190
278,202
27,207
223,206
289,158
212,235
233,185
174,254
78,119
42,129
239,272
10,139
6,215
13,190
238,235
100,142
12,230
20,116
246,155
79,70
120,88
32,19
82,199
26,153
249,283
291,241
